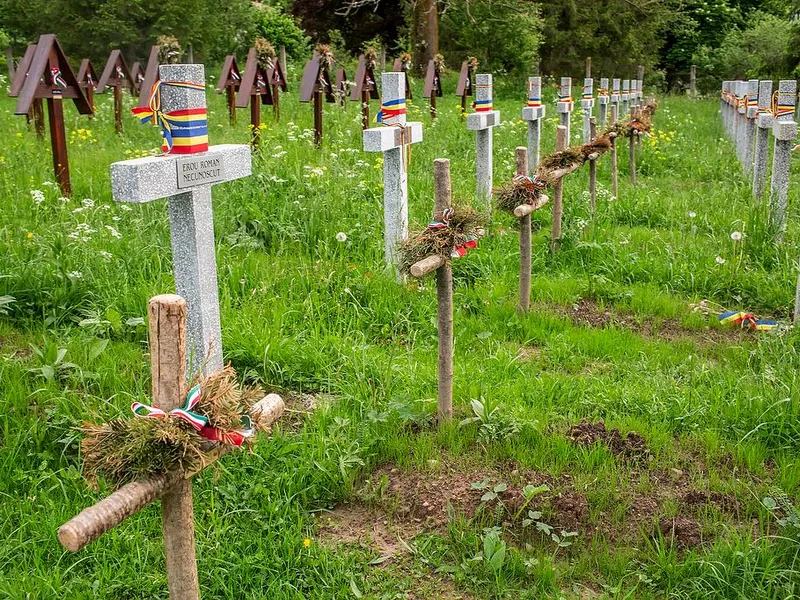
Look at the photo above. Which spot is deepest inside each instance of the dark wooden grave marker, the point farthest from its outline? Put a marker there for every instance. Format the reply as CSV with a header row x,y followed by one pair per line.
x,y
36,113
117,76
87,79
316,83
403,66
466,84
366,88
341,86
150,77
229,81
276,77
51,78
137,77
433,85
254,86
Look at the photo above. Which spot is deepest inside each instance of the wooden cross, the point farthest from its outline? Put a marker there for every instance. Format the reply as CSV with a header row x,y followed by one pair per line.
x,y
276,77
402,67
229,81
137,76
466,78
433,85
184,177
365,89
36,112
150,76
592,166
50,77
558,193
444,292
167,316
341,86
87,80
316,82
255,91
393,137
116,75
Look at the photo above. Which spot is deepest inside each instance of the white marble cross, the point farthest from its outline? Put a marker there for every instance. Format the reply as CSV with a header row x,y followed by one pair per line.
x,y
741,119
533,113
185,181
587,105
565,104
751,112
603,99
615,98
626,97
392,138
784,130
481,122
763,126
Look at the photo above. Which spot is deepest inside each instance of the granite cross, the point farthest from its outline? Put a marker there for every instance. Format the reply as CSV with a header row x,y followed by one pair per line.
x,y
741,93
184,176
763,125
393,137
587,105
533,113
615,98
602,100
482,121
751,111
565,104
625,98
784,130
167,316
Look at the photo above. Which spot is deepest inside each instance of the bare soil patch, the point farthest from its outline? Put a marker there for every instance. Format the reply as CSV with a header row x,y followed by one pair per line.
x,y
588,434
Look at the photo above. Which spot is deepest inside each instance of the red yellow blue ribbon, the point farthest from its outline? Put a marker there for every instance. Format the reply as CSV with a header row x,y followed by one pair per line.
x,y
183,131
482,105
746,321
391,111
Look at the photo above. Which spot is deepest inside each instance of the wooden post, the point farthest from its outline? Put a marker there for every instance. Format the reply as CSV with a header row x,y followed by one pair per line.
x,y
524,241
58,141
231,95
282,59
38,117
444,295
90,98
632,155
364,109
118,108
167,316
558,193
318,118
593,167
255,121
613,137
463,106
276,103
588,66
10,64
433,106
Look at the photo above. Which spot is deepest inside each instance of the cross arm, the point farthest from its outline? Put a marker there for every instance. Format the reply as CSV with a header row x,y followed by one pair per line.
x,y
381,139
96,520
154,177
532,113
483,120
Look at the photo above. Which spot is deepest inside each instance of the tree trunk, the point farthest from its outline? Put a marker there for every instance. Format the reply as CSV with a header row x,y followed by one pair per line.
x,y
424,33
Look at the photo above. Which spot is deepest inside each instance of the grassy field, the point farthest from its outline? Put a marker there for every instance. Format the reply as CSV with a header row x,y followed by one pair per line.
x,y
358,493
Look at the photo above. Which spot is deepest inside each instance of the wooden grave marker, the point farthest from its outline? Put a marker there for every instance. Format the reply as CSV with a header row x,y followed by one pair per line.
x,y
365,88
466,80
403,65
229,81
316,82
36,113
276,78
137,77
51,78
341,86
150,76
167,319
254,91
87,79
433,85
117,76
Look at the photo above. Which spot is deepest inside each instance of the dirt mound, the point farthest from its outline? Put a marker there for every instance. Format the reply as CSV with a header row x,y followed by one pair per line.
x,y
588,434
682,531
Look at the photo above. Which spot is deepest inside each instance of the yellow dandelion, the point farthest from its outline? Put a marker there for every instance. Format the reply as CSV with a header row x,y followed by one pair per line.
x,y
29,236
306,543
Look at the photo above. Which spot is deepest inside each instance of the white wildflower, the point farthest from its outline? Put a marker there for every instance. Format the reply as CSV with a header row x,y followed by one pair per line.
x,y
113,232
74,274
720,260
692,215
87,202
37,196
341,236
105,254
736,236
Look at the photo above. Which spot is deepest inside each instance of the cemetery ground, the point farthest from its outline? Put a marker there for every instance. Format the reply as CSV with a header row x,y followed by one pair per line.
x,y
628,446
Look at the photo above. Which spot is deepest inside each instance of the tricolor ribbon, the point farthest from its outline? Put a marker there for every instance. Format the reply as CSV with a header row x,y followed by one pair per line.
x,y
58,79
482,105
602,92
778,109
459,249
567,99
196,420
746,321
534,102
391,111
183,131
587,93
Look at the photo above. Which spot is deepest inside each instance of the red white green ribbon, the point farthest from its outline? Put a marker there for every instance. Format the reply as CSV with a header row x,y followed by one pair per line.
x,y
460,249
58,79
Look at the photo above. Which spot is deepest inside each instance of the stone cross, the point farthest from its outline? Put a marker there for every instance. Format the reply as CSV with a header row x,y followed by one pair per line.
x,y
481,122
763,126
587,105
634,97
533,113
741,119
751,111
615,96
625,98
167,315
603,99
393,137
726,108
565,104
784,130
184,177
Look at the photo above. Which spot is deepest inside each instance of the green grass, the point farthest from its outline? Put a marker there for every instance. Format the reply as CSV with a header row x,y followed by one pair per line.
x,y
302,311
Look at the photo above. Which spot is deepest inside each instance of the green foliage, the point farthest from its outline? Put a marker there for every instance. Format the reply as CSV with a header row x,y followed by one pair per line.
x,y
281,28
505,37
761,51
